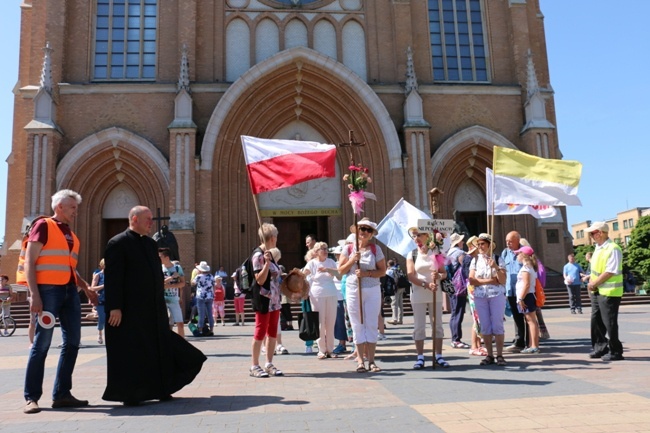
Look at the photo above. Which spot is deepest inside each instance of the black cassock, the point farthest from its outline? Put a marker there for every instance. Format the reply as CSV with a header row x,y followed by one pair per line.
x,y
146,360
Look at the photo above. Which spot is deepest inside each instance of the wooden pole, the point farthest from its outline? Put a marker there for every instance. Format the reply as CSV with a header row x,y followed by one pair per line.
x,y
433,204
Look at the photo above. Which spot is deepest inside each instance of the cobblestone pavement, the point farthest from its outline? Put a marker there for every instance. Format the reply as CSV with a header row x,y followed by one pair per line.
x,y
557,390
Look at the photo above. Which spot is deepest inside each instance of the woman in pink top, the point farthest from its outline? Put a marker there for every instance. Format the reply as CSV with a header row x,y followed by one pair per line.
x,y
219,303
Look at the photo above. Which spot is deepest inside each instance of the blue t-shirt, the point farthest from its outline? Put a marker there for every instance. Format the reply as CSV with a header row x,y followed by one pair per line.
x,y
512,270
573,271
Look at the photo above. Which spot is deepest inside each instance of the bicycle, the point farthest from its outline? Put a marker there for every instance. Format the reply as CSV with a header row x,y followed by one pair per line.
x,y
7,323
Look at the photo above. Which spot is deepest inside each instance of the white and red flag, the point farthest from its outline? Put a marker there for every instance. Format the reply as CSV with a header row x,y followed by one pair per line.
x,y
274,164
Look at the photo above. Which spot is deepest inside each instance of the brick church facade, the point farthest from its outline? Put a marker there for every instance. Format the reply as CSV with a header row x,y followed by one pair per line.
x,y
143,102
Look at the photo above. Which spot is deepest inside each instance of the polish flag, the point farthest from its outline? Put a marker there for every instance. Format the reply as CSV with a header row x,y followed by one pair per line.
x,y
275,164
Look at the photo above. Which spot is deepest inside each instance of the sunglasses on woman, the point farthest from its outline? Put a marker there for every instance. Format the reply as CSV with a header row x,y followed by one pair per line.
x,y
365,229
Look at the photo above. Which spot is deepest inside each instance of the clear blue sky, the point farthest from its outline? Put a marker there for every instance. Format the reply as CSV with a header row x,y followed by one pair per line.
x,y
598,54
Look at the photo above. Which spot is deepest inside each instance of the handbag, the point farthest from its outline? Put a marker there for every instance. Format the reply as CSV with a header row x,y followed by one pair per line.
x,y
308,324
448,287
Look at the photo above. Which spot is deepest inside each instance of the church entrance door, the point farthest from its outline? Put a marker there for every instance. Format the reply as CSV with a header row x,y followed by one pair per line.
x,y
291,238
112,227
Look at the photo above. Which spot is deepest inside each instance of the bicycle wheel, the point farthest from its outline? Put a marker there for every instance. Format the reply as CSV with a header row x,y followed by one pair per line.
x,y
7,327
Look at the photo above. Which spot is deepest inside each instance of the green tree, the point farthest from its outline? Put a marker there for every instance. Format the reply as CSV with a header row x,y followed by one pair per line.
x,y
580,252
637,257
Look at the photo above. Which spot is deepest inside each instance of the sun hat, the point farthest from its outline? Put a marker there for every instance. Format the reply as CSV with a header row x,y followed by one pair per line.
x,y
295,285
414,232
365,222
471,244
455,238
203,267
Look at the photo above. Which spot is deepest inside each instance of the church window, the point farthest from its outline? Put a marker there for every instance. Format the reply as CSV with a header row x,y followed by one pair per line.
x,y
457,34
125,40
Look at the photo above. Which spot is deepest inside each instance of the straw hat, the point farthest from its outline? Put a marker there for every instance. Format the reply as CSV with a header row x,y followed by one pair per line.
x,y
295,285
455,238
471,244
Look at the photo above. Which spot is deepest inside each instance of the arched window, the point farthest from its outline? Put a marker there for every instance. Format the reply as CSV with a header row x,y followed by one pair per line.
x,y
125,40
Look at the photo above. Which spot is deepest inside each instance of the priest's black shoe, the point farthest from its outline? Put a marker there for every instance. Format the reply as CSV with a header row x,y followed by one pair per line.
x,y
68,401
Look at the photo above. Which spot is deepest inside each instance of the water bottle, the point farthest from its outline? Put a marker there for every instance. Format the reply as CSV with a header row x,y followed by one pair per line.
x,y
244,280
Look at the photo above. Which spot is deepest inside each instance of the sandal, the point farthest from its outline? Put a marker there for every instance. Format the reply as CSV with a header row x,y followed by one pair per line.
x,y
361,368
501,361
256,371
419,364
272,370
321,355
487,360
441,362
373,367
478,352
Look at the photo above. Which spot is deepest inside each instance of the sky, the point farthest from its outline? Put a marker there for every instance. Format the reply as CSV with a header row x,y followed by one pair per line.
x,y
598,61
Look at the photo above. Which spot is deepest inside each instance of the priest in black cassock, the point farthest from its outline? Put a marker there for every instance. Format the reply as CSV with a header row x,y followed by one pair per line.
x,y
145,359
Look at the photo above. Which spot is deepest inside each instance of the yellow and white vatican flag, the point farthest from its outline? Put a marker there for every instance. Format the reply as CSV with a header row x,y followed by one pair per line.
x,y
536,210
526,179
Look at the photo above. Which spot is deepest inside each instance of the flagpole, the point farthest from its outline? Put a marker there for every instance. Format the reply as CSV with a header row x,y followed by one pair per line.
x,y
259,217
491,219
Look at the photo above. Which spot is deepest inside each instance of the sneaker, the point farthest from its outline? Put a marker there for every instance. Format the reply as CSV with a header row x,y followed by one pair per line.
x,y
579,310
235,324
513,349
382,337
309,349
459,345
573,311
531,350
338,350
31,407
100,340
263,349
68,401
281,350
612,357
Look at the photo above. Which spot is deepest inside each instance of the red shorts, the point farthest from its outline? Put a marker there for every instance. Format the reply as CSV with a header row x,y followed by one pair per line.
x,y
266,324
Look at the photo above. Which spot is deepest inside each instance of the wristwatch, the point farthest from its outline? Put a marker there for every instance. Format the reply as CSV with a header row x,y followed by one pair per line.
x,y
424,284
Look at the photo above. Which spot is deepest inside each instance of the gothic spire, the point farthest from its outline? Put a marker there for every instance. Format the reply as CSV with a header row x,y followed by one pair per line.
x,y
532,84
411,79
184,77
46,72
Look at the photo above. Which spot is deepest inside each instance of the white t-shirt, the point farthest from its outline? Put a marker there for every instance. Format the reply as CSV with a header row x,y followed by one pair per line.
x,y
425,265
520,281
367,262
322,282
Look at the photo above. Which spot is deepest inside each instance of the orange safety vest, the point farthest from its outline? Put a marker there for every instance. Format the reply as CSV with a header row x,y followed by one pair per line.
x,y
55,262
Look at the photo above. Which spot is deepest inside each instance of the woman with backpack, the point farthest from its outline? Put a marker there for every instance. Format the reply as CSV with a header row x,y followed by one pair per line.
x,y
526,301
368,265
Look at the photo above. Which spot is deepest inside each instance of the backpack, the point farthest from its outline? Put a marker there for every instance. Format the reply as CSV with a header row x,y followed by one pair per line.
x,y
540,296
460,282
402,280
244,275
387,285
